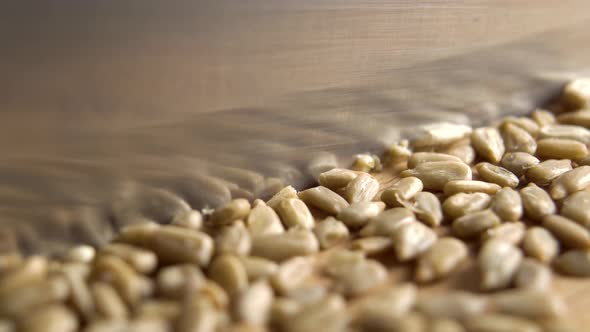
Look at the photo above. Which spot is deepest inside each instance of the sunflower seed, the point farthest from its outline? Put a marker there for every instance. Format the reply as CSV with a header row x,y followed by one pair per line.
x,y
80,254
258,268
558,148
496,174
233,239
540,244
438,134
360,278
362,189
143,261
419,158
497,262
108,303
441,259
545,172
357,215
517,139
294,212
387,222
445,325
528,303
197,314
236,209
253,304
569,182
52,318
436,174
324,199
399,151
512,232
403,190
281,311
507,204
473,224
80,295
263,220
569,233
372,245
428,209
576,94
192,219
529,125
579,118
488,143
158,310
33,270
285,193
577,207
337,178
366,162
574,263
562,131
213,292
330,232
412,239
19,301
379,322
229,273
543,117
500,323
297,241
131,286
173,281
470,186
327,314
462,204
453,304
461,150
340,261
392,302
536,202
518,162
532,275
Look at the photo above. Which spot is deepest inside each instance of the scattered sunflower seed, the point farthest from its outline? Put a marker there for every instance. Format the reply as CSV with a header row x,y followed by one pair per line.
x,y
387,222
428,209
403,190
543,117
533,304
497,262
574,263
488,143
174,280
577,208
512,232
392,302
470,186
496,174
507,204
543,173
330,232
234,210
436,174
412,239
518,162
294,212
357,279
337,178
517,139
107,302
357,215
563,131
576,94
419,158
52,318
441,259
297,241
529,125
324,199
363,188
536,202
253,304
569,233
372,245
579,118
540,244
258,268
473,224
439,134
143,261
462,204
229,273
569,182
192,219
558,148
453,304
263,220
532,274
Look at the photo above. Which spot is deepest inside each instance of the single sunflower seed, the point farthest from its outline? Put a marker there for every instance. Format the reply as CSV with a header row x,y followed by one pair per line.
x,y
331,232
263,220
496,174
327,314
197,314
527,124
323,199
107,302
441,259
536,202
533,304
563,131
129,284
387,222
18,302
419,158
470,186
233,239
497,262
570,182
403,190
453,304
461,150
576,94
533,275
543,117
428,209
507,204
359,278
253,304
488,143
258,268
294,212
395,301
517,139
398,151
574,262
543,173
436,174
540,244
357,215
363,188
518,162
569,233
579,118
462,204
337,178
80,254
285,193
438,134
192,219
577,208
412,239
297,241
229,273
473,224
158,310
512,232
559,148
500,323
51,318
366,162
142,260
236,209
175,280
372,245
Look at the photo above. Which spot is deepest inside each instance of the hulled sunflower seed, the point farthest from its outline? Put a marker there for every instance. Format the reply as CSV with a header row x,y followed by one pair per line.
x,y
192,219
517,139
337,178
569,182
362,189
470,186
80,295
419,158
285,193
576,94
453,304
52,318
533,275
258,268
528,303
233,239
412,239
518,162
281,310
387,222
571,132
536,202
461,204
496,174
174,244
543,173
488,143
569,233
579,118
439,134
294,212
297,241
109,305
557,148
32,270
436,174
473,224
379,322
372,245
236,209
500,323
428,209
19,301
507,204
577,207
441,259
403,190
308,293
80,254
512,232
543,117
461,150
357,215
340,261
229,273
445,325
197,314
392,302
175,280
357,279
143,261
540,244
213,292
131,286
574,262
263,220
399,151
158,309
328,314
324,199
366,162
529,125
497,262
330,232
253,304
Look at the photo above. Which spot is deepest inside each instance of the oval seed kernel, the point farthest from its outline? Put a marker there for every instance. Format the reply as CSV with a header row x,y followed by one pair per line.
x,y
324,199
570,182
507,204
543,173
441,259
569,233
361,189
403,190
577,208
496,174
536,202
418,158
558,148
517,139
461,204
470,186
471,225
540,244
436,174
497,262
518,162
488,143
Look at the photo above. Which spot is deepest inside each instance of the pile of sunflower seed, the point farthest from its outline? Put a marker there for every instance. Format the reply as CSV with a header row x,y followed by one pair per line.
x,y
511,200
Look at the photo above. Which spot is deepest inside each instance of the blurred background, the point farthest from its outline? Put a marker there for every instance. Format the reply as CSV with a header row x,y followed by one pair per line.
x,y
114,109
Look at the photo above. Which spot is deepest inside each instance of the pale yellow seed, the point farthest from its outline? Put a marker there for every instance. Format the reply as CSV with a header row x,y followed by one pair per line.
x,y
197,314
33,270
297,241
512,232
392,302
574,263
558,148
496,174
436,174
330,232
452,304
470,186
563,131
507,204
518,162
357,215
19,301
158,310
81,254
533,304
500,323
387,222
131,286
569,233
174,244
579,118
529,125
258,268
367,162
233,239
234,210
532,274
445,325
570,182
323,199
337,178
378,321
192,219
174,280
229,273
253,305
536,202
53,318
360,278
328,314
412,239
340,261
418,158
362,189
428,209
439,134
576,94
372,245
80,294
540,244
517,139
461,150
263,220
143,261
440,260
497,262
488,143
577,207
399,151
473,224
403,190
108,303
287,192
543,117
545,172
294,212
461,204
